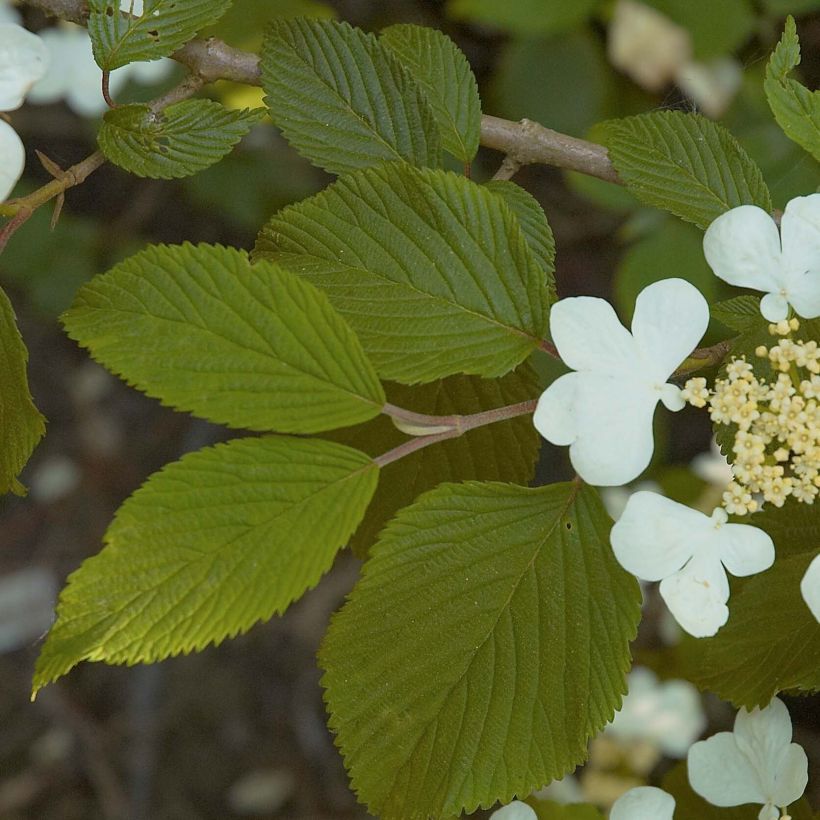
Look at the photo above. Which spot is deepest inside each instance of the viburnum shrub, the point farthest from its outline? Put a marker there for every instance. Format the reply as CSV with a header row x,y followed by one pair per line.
x,y
381,342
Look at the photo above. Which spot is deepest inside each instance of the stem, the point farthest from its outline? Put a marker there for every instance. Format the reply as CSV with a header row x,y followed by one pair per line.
x,y
509,168
106,89
458,425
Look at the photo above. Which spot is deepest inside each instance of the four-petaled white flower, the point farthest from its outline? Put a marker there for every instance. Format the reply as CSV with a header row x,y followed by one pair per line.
x,y
515,811
810,587
743,247
658,539
756,763
12,159
604,410
643,803
23,60
668,714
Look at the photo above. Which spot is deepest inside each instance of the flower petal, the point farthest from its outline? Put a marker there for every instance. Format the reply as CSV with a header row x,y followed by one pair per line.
x,y
555,416
590,337
670,319
23,60
643,803
810,587
791,777
721,774
742,247
800,231
774,307
615,441
697,595
745,550
762,734
12,159
653,537
515,811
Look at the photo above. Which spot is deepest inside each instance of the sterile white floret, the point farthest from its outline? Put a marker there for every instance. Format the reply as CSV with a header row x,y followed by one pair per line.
x,y
658,539
604,410
23,61
12,159
810,587
744,248
755,763
643,803
515,811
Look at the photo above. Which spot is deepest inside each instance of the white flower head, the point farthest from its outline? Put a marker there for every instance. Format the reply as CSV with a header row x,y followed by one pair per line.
x,y
23,60
712,467
658,539
643,803
515,811
668,714
810,587
756,763
604,410
12,159
743,247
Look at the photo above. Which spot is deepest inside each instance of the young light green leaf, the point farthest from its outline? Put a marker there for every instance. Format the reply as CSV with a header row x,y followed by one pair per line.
x,y
772,641
533,223
119,38
486,641
209,546
21,425
176,142
445,76
343,100
431,270
202,330
506,451
796,109
684,164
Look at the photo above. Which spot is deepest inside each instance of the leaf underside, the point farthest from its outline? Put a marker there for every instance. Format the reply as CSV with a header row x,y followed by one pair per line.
x,y
486,641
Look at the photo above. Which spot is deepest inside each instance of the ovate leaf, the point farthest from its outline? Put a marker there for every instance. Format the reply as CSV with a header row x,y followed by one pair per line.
x,y
445,76
772,641
343,100
505,451
21,425
533,222
486,641
796,109
431,270
176,142
165,25
202,330
212,544
684,164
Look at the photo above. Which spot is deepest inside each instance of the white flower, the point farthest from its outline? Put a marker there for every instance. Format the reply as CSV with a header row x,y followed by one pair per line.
x,y
76,77
658,539
565,790
8,14
12,159
756,763
743,247
643,803
23,60
712,467
713,85
667,714
615,498
515,811
810,587
604,411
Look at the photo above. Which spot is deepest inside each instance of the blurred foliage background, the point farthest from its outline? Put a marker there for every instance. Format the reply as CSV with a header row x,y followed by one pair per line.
x,y
239,731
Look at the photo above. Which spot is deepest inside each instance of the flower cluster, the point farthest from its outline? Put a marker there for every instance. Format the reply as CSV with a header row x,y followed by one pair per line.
x,y
776,421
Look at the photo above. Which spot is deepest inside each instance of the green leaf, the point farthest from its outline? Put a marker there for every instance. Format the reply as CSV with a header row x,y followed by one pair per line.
x,y
486,641
524,17
343,100
212,544
445,76
21,425
431,270
202,330
165,25
772,641
684,164
506,451
533,222
741,314
176,142
796,109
